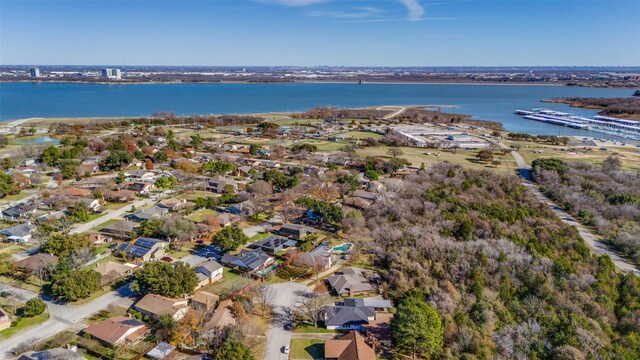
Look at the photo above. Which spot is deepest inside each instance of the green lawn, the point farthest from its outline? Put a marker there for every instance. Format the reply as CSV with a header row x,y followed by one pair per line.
x,y
361,135
259,236
23,323
230,282
12,248
104,224
308,329
307,349
201,214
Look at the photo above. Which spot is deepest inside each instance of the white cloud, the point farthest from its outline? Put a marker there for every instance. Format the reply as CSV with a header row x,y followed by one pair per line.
x,y
357,13
415,8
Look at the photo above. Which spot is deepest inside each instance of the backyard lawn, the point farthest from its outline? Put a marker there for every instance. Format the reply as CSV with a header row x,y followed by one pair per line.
x,y
201,214
306,349
230,282
20,322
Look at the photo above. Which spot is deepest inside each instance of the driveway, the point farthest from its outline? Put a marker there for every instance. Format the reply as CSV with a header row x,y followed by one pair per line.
x,y
593,240
287,298
63,316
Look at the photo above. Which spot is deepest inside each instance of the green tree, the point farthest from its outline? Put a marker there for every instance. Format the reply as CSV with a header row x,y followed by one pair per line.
x,y
233,350
218,167
79,212
229,238
372,175
50,155
33,307
254,148
75,285
196,141
6,185
120,178
150,228
63,245
330,213
116,160
171,280
160,156
417,329
68,168
352,180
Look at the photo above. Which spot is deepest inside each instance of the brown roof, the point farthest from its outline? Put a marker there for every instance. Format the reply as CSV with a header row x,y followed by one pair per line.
x,y
37,261
115,329
160,305
74,191
223,316
110,266
118,194
349,347
205,298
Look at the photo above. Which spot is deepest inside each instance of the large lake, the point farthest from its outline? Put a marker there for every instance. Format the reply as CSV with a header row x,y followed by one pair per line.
x,y
485,102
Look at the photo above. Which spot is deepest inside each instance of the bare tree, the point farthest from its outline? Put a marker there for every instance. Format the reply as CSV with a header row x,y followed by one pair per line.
x,y
265,299
313,306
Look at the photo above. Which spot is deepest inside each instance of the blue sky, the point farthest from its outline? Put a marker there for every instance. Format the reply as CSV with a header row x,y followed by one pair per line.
x,y
320,32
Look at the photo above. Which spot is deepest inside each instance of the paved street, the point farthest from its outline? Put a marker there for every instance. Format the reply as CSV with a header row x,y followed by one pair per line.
x,y
286,299
593,240
62,316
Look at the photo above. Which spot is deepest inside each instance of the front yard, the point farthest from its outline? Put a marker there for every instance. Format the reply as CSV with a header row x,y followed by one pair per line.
x,y
306,349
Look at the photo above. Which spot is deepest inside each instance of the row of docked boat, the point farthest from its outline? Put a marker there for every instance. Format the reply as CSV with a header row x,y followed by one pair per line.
x,y
607,125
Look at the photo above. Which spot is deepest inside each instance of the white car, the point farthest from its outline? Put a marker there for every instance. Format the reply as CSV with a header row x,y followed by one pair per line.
x,y
285,349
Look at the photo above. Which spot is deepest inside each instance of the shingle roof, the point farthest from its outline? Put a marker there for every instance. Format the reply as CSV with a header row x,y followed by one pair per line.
x,y
349,347
19,230
113,329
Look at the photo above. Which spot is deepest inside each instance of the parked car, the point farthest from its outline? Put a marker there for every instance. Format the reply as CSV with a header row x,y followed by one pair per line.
x,y
285,349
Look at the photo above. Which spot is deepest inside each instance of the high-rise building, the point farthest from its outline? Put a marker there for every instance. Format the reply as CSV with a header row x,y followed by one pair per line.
x,y
112,74
35,72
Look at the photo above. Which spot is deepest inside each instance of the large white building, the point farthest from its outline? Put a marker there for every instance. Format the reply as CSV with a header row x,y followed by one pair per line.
x,y
114,74
34,72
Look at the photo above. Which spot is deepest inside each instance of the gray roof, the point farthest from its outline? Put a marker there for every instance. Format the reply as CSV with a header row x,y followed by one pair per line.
x,y
367,302
51,354
161,351
345,283
348,316
248,260
210,265
147,214
19,210
273,242
21,230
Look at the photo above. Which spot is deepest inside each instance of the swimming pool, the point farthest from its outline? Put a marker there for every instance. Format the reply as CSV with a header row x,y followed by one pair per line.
x,y
342,248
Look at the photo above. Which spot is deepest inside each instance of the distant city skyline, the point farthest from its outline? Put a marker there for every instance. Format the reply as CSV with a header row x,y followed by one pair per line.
x,y
320,32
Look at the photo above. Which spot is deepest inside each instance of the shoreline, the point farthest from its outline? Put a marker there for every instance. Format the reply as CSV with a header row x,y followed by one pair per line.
x,y
354,82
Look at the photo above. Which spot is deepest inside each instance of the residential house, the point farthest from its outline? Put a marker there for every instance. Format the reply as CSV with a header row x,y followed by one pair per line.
x,y
19,233
172,204
92,204
248,261
141,188
121,195
26,171
99,238
296,231
160,351
20,211
208,272
319,258
5,319
273,244
351,346
111,271
147,214
351,281
74,192
118,330
354,313
244,170
225,219
140,175
217,184
245,208
375,186
51,354
94,182
222,317
203,301
155,306
36,262
89,168
120,229
144,249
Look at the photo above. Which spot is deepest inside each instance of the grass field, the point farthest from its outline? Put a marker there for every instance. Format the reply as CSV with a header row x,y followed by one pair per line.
x,y
360,135
200,214
417,156
21,323
229,283
306,349
308,329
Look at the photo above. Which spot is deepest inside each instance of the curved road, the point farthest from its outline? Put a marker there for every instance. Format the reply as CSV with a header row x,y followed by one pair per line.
x,y
594,241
